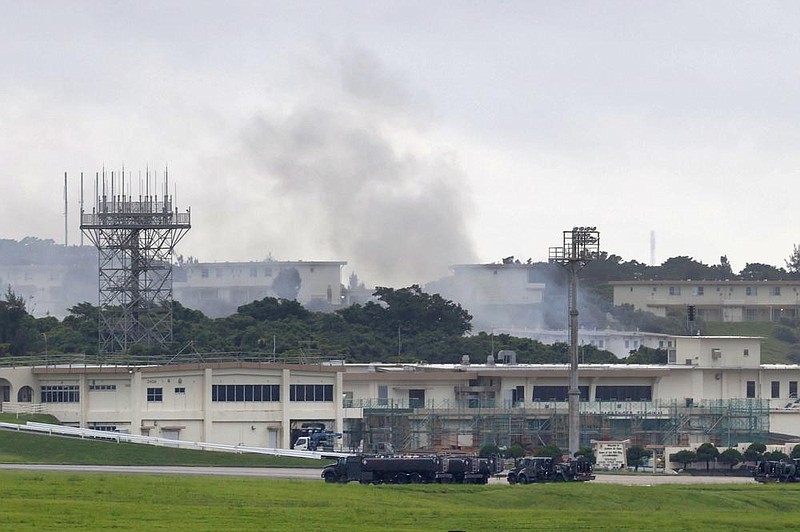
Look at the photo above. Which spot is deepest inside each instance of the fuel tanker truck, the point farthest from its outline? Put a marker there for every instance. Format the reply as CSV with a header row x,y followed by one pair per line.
x,y
412,469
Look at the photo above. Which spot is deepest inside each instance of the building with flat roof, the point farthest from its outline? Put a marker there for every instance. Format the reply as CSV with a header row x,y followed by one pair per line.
x,y
714,300
715,389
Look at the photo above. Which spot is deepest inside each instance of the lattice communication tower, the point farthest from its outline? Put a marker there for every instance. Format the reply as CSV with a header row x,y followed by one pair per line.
x,y
135,238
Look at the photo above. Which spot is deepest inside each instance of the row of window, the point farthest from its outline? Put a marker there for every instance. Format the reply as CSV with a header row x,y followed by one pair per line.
x,y
311,392
700,290
61,394
102,387
601,393
249,393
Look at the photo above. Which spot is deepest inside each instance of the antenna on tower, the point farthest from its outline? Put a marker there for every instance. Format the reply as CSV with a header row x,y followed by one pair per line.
x,y
66,214
652,248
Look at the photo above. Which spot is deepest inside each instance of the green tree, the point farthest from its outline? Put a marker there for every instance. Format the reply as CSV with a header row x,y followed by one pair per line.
x,y
707,452
586,452
685,458
488,450
553,451
514,451
636,455
754,452
731,457
776,456
795,451
793,262
757,271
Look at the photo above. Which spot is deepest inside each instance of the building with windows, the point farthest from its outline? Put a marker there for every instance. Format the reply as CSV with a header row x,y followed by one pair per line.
x,y
714,300
620,343
714,389
504,295
219,288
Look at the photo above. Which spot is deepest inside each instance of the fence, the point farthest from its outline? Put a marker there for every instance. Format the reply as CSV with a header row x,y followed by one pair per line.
x,y
119,437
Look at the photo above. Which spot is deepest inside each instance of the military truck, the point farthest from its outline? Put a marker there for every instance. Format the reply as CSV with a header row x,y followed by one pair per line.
x,y
545,469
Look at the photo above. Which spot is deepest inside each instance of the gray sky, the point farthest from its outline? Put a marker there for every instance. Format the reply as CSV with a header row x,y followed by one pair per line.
x,y
406,136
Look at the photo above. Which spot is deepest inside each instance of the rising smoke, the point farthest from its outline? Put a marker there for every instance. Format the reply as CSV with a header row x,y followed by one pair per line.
x,y
350,172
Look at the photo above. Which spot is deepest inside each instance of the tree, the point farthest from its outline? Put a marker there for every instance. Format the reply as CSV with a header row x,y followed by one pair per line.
x,y
636,455
707,452
755,271
586,452
731,457
776,456
286,284
795,452
793,262
754,452
684,457
553,451
488,450
515,451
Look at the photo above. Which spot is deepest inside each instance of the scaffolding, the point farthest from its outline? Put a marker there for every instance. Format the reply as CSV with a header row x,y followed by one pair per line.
x,y
135,238
458,425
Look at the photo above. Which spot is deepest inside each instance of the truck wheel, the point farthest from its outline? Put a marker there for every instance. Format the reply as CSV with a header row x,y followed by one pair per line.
x,y
401,479
523,479
330,476
512,479
415,478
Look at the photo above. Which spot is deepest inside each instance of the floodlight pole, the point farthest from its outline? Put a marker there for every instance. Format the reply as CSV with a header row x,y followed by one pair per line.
x,y
581,245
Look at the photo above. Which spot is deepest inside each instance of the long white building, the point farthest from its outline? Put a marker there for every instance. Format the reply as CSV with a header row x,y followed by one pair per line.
x,y
714,389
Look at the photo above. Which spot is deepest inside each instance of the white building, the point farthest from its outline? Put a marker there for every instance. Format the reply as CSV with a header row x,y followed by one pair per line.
x,y
219,288
714,300
715,389
620,343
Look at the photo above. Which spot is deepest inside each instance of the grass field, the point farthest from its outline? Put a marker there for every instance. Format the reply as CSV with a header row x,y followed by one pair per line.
x,y
99,501
91,501
27,448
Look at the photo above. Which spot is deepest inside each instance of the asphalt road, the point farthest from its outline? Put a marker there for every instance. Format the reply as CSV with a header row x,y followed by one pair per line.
x,y
643,479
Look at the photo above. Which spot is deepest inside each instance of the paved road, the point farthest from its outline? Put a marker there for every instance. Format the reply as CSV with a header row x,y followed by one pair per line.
x,y
314,474
271,472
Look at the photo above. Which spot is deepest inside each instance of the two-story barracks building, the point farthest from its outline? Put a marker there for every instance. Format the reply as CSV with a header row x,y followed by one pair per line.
x,y
713,389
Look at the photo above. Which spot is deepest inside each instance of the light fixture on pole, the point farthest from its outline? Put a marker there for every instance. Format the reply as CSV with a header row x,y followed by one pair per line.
x,y
580,246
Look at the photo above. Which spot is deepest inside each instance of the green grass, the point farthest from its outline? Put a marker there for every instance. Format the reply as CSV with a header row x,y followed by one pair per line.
x,y
773,351
101,501
24,418
27,448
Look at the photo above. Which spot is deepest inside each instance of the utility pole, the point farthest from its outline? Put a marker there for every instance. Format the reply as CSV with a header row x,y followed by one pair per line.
x,y
580,246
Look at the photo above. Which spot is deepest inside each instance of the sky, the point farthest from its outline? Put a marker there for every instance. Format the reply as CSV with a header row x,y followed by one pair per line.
x,y
407,136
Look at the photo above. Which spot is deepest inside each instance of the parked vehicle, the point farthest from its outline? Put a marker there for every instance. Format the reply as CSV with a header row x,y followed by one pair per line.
x,y
412,469
777,471
545,469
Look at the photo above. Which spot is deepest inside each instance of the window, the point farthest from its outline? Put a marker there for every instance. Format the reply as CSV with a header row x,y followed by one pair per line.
x,y
383,395
793,389
204,272
776,389
775,291
557,393
751,389
155,395
102,387
416,398
518,394
61,394
104,428
253,272
674,290
245,393
746,352
623,393
751,291
180,390
311,392
699,290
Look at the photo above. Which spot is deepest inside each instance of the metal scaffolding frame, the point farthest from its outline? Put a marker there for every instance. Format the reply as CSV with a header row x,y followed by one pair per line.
x,y
442,426
135,239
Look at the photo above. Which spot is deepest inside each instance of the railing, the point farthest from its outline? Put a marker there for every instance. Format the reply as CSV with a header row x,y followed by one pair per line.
x,y
119,437
85,360
23,408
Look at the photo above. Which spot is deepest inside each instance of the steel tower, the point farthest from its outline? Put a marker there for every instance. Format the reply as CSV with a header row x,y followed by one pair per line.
x,y
135,239
581,245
